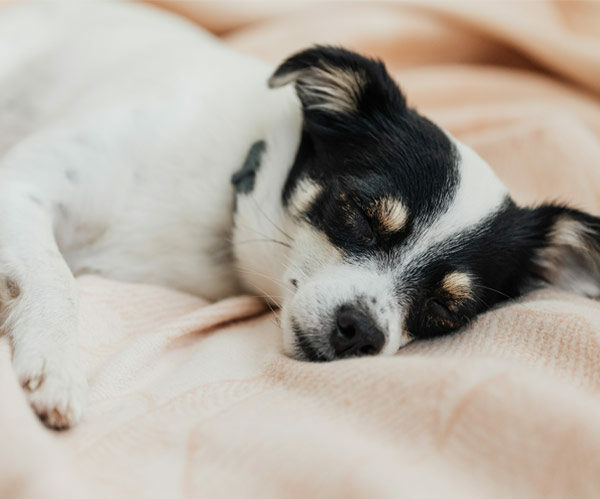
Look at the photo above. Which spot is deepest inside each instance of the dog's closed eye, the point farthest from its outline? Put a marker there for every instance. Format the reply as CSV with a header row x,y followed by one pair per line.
x,y
439,309
361,225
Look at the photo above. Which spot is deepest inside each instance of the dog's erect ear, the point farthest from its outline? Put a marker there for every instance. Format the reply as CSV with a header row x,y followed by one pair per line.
x,y
569,254
336,86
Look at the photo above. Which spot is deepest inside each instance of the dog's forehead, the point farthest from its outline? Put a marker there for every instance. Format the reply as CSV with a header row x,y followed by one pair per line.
x,y
447,191
451,194
479,194
415,163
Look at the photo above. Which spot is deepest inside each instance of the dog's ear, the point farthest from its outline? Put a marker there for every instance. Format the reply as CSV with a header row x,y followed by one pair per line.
x,y
567,251
337,86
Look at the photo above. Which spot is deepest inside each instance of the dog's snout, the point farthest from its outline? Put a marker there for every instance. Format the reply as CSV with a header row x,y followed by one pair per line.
x,y
355,333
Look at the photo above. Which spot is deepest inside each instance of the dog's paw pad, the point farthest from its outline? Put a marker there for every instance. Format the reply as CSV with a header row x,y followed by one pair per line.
x,y
57,395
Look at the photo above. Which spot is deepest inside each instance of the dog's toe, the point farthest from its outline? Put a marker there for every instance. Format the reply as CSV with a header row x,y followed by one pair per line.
x,y
59,400
57,393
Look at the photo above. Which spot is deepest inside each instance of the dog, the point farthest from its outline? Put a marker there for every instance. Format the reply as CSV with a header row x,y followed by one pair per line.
x,y
135,146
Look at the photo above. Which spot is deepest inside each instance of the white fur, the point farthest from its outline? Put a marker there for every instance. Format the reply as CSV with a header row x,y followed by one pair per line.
x,y
336,283
118,161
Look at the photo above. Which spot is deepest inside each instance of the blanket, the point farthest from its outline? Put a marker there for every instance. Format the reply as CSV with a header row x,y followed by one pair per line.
x,y
194,399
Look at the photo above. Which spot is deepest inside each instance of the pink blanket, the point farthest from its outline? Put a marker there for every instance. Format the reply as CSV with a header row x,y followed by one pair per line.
x,y
190,399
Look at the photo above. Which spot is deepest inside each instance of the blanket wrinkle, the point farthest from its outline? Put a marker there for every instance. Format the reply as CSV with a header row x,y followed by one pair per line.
x,y
192,399
456,411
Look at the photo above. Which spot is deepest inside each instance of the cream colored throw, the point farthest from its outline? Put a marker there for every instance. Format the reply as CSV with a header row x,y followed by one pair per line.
x,y
191,399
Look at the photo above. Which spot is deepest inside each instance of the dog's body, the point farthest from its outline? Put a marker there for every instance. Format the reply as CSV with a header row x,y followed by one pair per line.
x,y
120,131
122,110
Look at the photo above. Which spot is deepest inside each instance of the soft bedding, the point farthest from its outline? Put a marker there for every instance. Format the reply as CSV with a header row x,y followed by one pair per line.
x,y
192,399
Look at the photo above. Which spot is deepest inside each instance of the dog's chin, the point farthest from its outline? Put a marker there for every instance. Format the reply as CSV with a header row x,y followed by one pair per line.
x,y
297,345
305,350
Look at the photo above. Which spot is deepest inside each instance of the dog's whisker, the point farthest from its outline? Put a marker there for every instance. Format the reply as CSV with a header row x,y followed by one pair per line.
x,y
249,271
266,240
260,234
269,304
269,219
493,290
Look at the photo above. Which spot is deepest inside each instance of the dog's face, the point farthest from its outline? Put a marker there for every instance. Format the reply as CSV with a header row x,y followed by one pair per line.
x,y
400,231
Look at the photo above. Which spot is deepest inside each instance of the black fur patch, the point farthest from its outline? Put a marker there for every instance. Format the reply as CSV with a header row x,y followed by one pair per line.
x,y
503,255
243,179
382,149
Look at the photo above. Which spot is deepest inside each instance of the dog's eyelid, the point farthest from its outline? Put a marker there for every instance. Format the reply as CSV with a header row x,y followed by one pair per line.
x,y
439,307
359,203
364,221
362,206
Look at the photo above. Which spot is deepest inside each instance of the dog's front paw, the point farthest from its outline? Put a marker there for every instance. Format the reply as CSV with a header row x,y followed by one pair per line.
x,y
56,391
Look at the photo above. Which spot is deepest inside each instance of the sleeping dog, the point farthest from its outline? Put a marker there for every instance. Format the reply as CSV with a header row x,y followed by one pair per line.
x,y
135,146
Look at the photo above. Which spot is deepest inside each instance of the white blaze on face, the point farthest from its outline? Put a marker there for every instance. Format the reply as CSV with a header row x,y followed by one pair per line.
x,y
479,194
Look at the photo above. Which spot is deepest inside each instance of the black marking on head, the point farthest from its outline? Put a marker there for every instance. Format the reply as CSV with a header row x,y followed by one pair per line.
x,y
380,150
72,176
510,253
243,179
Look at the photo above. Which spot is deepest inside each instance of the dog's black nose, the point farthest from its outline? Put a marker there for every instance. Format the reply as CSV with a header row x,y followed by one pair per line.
x,y
355,333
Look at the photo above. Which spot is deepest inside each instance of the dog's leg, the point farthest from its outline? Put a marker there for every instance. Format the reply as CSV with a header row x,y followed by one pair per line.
x,y
40,306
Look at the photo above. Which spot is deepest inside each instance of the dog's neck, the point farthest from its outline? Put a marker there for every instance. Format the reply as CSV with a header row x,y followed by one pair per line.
x,y
263,230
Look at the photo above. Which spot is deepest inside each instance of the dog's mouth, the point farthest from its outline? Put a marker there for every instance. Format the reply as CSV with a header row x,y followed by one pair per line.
x,y
304,347
346,340
308,351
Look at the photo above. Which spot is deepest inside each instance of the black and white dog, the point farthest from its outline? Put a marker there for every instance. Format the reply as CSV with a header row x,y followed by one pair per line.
x,y
135,146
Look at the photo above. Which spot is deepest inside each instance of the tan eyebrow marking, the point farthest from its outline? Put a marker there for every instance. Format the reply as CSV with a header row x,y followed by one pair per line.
x,y
390,213
304,195
458,285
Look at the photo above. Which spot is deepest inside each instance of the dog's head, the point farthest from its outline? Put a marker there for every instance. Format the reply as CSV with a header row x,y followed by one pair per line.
x,y
399,231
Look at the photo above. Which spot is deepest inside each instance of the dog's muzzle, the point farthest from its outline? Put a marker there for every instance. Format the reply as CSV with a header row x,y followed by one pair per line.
x,y
354,334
